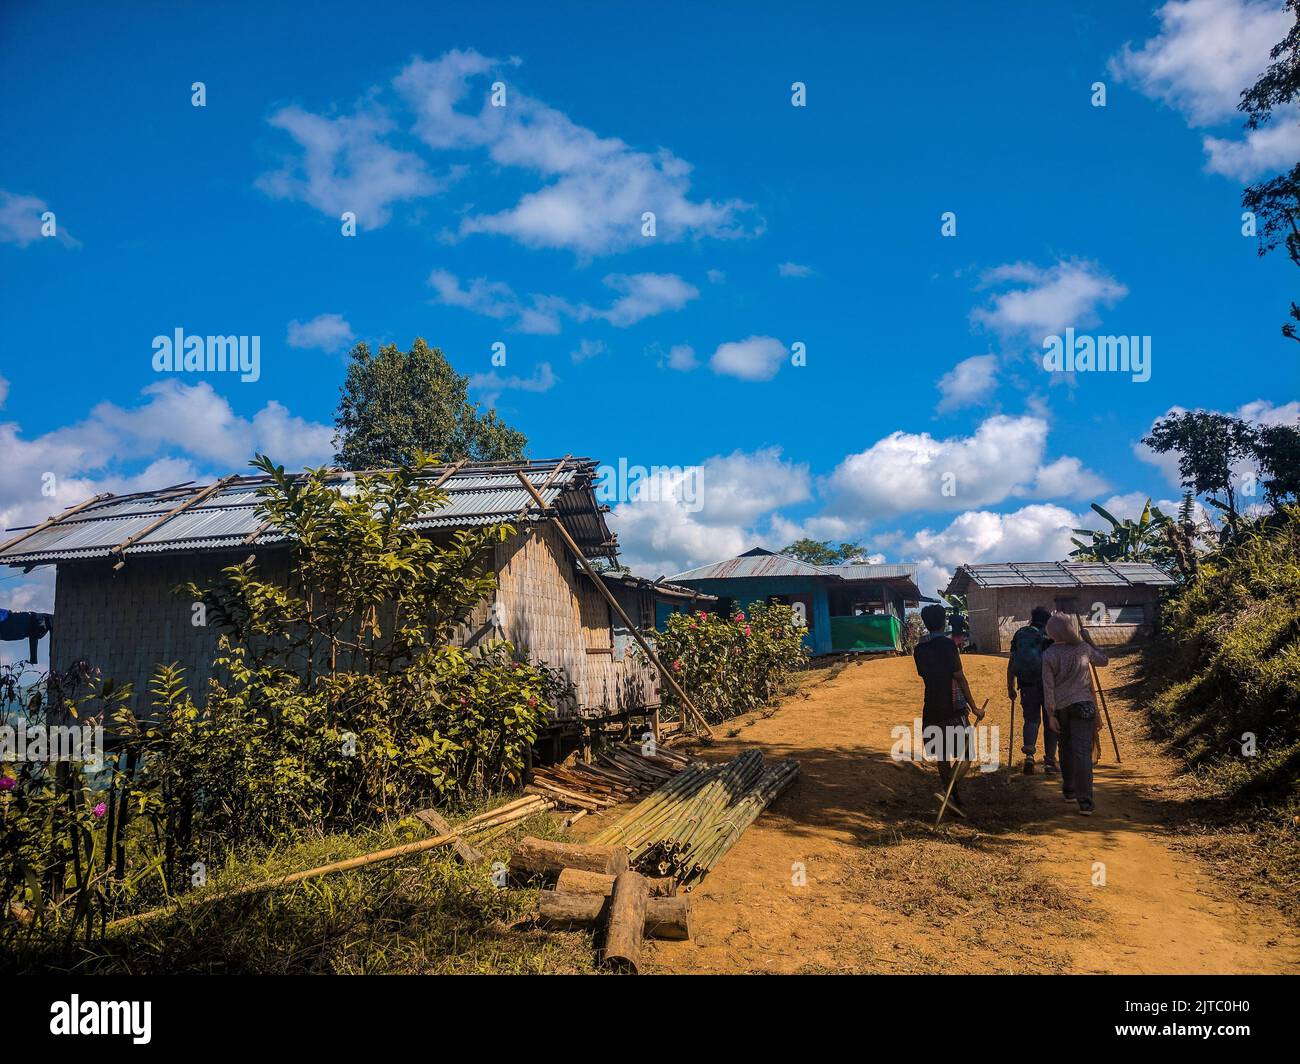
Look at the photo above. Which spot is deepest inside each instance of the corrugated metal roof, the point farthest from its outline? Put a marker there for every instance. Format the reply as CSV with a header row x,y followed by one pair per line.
x,y
766,564
227,518
870,571
757,562
1058,574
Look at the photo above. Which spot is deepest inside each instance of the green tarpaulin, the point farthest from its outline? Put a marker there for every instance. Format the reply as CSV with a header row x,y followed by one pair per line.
x,y
871,631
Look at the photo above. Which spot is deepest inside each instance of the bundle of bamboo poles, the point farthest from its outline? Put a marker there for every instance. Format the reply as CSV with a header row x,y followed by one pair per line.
x,y
686,826
618,775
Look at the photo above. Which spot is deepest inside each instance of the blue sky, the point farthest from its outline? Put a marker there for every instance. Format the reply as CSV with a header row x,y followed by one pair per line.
x,y
521,225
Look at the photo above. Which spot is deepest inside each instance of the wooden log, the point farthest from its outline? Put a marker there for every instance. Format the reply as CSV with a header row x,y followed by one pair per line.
x,y
434,820
665,918
626,928
540,857
578,881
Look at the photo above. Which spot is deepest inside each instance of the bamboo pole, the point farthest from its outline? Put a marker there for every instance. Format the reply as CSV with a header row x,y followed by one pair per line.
x,y
688,705
54,520
266,885
193,500
494,822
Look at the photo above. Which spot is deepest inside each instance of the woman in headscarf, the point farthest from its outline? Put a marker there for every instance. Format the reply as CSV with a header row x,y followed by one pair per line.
x,y
1071,704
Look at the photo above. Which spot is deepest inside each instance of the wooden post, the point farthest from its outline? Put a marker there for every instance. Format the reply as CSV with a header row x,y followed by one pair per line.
x,y
687,704
626,930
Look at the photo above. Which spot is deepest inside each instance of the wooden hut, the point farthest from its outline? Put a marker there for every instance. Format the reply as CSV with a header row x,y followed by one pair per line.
x,y
121,559
1117,602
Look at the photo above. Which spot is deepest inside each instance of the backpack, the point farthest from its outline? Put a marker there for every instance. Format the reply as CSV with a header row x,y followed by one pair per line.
x,y
1027,655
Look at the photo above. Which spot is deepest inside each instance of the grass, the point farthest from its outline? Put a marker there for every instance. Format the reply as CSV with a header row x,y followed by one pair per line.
x,y
427,914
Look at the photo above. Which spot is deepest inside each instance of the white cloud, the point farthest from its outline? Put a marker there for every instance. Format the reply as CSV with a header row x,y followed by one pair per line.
x,y
4,391
346,164
642,295
1262,151
1031,534
599,187
1206,53
794,269
588,349
682,357
1043,301
907,472
20,221
681,519
969,382
491,385
329,332
1068,478
715,276
756,358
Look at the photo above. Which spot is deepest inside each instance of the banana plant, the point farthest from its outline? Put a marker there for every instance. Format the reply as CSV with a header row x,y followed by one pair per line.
x,y
1124,541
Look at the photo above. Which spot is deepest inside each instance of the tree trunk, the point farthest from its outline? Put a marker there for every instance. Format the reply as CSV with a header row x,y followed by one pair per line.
x,y
666,918
626,929
540,857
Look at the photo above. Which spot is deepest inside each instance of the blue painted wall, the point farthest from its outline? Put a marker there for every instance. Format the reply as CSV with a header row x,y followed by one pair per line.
x,y
745,590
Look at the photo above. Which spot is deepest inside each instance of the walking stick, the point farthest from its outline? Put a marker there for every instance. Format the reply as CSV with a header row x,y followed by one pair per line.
x,y
958,773
1096,683
1011,738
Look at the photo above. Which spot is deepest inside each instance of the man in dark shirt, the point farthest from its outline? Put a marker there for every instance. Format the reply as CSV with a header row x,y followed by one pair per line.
x,y
947,692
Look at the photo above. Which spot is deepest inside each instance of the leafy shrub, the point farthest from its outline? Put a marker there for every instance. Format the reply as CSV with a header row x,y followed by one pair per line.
x,y
1228,661
339,702
731,665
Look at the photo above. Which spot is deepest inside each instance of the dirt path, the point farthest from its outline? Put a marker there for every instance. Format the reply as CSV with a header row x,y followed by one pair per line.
x,y
844,872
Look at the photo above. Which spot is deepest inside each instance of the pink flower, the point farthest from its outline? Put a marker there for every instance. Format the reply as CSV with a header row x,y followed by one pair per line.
x,y
100,809
677,665
739,616
7,783
694,625
532,700
747,629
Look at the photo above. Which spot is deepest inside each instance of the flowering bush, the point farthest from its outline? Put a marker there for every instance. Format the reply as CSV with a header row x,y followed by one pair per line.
x,y
730,665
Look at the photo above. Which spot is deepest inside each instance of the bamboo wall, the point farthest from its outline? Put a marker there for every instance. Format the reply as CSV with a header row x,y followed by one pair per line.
x,y
126,622
552,613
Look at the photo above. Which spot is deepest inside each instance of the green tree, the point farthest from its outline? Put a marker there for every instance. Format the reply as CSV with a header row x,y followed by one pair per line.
x,y
1208,446
822,552
1277,450
396,404
1276,202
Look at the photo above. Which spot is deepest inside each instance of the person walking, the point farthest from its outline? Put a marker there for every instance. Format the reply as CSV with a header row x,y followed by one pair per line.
x,y
1025,668
1071,705
948,697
